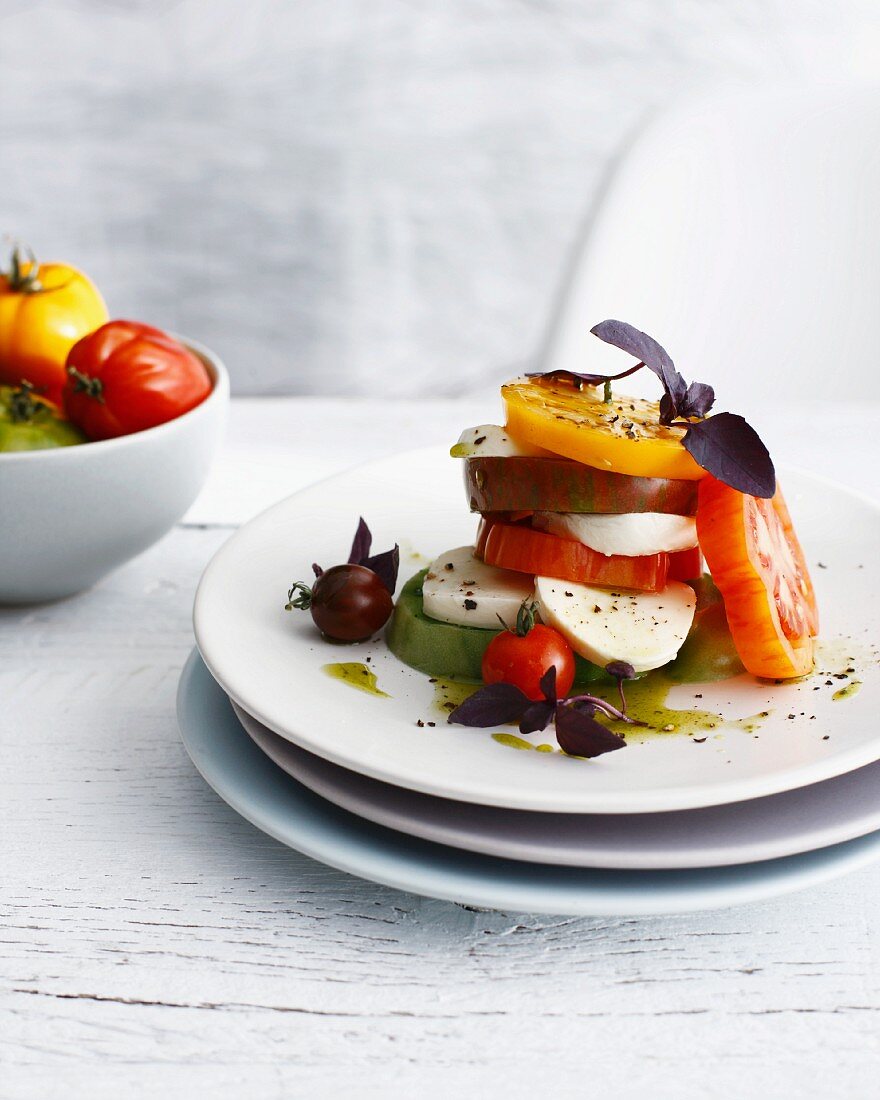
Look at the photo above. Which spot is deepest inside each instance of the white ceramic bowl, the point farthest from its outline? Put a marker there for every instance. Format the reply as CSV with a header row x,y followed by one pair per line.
x,y
70,515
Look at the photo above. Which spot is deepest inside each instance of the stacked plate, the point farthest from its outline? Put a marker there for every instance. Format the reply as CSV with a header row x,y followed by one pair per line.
x,y
784,792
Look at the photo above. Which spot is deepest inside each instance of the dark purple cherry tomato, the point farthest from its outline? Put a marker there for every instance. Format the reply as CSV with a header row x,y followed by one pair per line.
x,y
349,603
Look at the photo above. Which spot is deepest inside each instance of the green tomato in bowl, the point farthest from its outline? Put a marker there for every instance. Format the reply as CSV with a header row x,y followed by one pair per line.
x,y
29,423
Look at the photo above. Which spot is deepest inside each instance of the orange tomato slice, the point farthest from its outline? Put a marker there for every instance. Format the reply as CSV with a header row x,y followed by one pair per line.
x,y
543,555
624,435
758,565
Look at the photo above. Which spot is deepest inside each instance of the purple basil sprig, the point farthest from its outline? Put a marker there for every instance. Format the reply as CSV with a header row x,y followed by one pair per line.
x,y
651,354
384,565
577,730
724,444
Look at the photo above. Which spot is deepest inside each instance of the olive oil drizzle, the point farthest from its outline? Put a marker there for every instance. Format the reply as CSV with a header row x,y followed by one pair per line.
x,y
356,675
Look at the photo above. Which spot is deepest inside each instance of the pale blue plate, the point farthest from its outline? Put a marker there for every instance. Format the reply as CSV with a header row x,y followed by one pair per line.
x,y
270,799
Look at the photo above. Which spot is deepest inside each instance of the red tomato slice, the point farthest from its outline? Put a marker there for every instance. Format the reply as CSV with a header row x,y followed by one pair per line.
x,y
686,565
485,525
488,521
543,555
758,565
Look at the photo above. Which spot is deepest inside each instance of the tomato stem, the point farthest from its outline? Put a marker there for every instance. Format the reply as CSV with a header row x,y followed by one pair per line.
x,y
299,597
84,383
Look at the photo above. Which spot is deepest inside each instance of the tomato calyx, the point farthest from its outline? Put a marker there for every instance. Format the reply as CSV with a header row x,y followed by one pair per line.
x,y
299,597
23,275
86,384
526,617
23,408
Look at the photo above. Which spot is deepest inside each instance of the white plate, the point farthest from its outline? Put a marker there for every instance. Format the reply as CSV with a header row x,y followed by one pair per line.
x,y
801,820
270,661
261,792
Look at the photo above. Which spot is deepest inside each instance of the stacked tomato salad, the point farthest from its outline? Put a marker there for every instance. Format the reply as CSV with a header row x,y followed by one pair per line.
x,y
70,375
597,513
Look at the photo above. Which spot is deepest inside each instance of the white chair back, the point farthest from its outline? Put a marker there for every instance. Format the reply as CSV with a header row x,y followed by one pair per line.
x,y
744,234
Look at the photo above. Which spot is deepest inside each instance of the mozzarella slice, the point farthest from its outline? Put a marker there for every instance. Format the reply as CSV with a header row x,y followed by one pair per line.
x,y
492,441
646,629
460,589
631,534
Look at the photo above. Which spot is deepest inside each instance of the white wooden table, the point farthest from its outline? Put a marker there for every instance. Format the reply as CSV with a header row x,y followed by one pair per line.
x,y
154,943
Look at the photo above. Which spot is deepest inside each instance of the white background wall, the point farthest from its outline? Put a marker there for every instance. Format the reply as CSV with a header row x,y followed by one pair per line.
x,y
358,195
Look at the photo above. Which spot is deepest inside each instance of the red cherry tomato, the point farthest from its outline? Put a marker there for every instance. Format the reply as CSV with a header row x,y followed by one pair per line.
x,y
522,659
125,377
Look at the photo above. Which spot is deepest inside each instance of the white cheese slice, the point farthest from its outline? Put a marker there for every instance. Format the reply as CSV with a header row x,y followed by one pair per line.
x,y
492,441
460,589
631,534
646,629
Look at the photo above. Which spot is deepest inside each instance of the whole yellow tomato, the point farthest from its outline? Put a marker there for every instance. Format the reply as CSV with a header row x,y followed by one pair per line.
x,y
44,310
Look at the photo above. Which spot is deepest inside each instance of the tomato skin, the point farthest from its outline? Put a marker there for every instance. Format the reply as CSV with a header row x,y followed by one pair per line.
x,y
349,603
496,484
758,565
39,327
142,376
544,555
522,660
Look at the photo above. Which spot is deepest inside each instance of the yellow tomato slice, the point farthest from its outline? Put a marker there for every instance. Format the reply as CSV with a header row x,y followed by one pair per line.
x,y
624,435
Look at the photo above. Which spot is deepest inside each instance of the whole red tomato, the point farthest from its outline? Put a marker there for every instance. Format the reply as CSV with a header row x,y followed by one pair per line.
x,y
125,377
521,657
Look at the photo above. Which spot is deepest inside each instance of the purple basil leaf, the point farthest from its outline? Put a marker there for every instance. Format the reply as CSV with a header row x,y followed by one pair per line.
x,y
698,400
547,683
385,567
537,717
646,349
587,379
492,705
363,540
731,450
316,569
579,734
621,670
668,411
